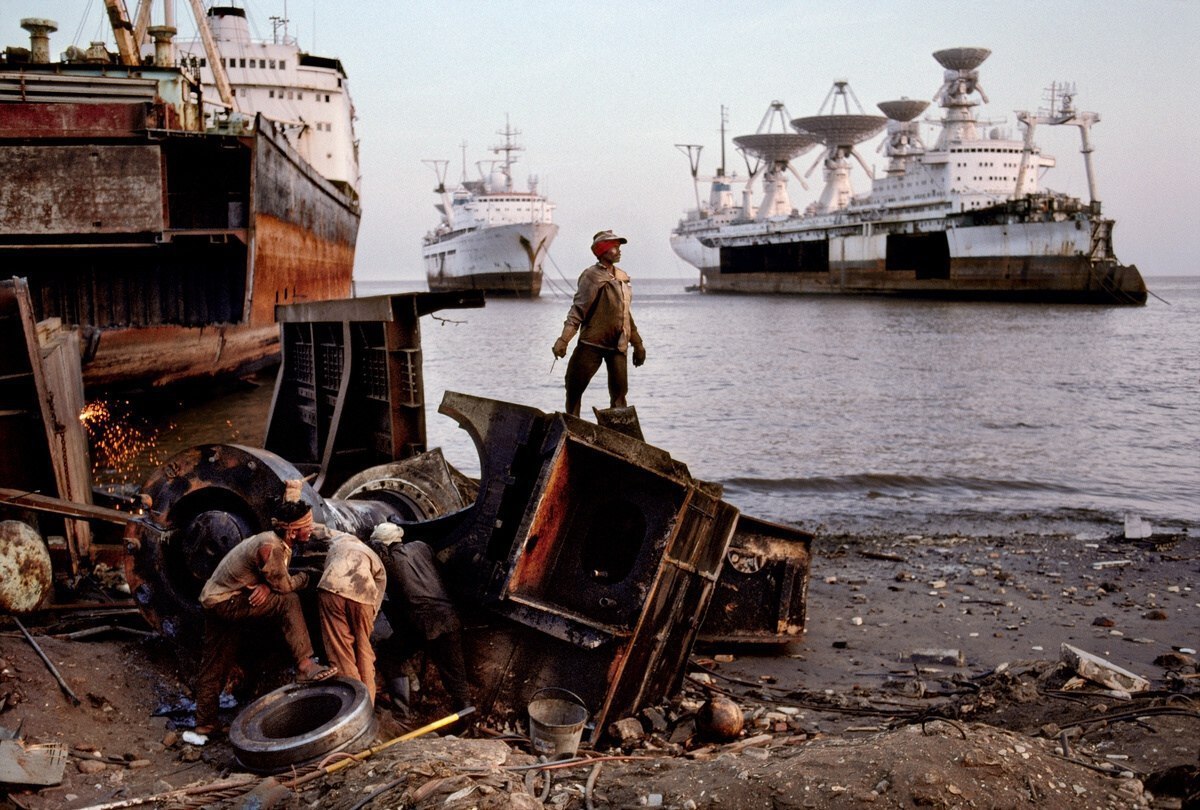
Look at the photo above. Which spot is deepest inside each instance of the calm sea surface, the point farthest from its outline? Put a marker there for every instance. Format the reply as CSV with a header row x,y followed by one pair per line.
x,y
857,414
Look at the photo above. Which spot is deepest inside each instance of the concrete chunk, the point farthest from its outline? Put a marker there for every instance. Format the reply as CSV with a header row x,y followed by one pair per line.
x,y
1103,672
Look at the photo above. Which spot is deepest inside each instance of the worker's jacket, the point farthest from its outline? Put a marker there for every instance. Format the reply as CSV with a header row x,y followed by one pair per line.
x,y
353,571
260,559
601,311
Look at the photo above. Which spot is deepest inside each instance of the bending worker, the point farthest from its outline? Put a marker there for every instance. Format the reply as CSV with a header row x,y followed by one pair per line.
x,y
348,599
417,599
252,582
601,314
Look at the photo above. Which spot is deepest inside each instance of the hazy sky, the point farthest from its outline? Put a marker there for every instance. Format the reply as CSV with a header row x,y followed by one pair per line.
x,y
602,91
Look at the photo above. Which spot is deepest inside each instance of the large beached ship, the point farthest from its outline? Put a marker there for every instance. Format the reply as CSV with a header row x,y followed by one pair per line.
x,y
491,237
164,199
964,218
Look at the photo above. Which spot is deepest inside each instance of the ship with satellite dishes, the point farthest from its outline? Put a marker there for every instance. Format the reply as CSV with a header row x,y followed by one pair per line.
x,y
965,218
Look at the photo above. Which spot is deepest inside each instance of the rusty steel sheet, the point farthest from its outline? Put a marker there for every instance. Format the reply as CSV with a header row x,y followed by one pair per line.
x,y
350,392
80,190
762,595
600,550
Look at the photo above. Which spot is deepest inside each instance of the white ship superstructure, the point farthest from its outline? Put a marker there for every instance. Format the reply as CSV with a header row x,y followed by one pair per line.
x,y
491,237
307,96
966,217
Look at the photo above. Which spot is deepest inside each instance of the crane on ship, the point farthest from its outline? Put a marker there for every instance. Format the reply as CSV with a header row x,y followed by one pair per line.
x,y
1061,112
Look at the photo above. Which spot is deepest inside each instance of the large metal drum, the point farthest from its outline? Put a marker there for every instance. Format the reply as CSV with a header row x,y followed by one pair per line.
x,y
26,576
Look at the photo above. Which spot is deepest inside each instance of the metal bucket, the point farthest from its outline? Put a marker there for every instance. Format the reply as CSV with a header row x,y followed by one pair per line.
x,y
556,719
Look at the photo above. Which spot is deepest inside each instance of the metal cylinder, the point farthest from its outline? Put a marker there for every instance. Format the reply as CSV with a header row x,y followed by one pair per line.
x,y
207,499
26,576
39,38
164,54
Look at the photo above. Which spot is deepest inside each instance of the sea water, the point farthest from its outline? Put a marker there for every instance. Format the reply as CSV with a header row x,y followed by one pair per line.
x,y
867,415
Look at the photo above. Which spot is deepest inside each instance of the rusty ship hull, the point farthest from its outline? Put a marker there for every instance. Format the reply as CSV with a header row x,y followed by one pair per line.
x,y
163,206
170,249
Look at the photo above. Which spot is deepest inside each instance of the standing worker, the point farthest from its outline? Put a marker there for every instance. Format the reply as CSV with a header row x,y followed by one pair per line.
x,y
415,587
600,313
252,582
348,599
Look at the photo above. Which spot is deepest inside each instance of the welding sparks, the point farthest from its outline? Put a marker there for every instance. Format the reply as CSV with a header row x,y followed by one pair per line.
x,y
121,442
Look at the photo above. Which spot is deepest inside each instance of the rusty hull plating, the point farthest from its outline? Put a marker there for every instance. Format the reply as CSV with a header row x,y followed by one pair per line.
x,y
601,550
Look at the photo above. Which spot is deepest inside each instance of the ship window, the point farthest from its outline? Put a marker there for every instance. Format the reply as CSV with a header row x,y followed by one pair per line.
x,y
289,94
283,64
241,63
299,96
272,94
253,63
203,62
272,64
326,97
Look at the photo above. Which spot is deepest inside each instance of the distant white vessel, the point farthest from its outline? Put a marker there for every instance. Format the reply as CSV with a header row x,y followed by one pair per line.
x,y
491,237
965,218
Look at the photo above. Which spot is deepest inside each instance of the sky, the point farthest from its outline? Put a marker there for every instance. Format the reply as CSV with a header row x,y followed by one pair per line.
x,y
603,91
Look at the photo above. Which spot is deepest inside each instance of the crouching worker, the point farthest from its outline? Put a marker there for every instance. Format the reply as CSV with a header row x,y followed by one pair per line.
x,y
252,582
417,598
348,599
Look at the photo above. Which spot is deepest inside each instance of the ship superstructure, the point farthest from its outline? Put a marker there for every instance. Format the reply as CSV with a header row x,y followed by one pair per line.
x,y
964,217
152,204
307,96
491,236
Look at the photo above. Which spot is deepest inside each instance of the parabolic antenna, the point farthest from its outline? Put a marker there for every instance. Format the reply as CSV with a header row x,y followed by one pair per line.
x,y
776,147
961,58
905,109
840,130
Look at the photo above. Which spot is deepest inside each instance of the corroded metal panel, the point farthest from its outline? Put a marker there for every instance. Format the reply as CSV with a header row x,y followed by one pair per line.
x,y
49,120
762,594
304,230
75,190
602,545
350,393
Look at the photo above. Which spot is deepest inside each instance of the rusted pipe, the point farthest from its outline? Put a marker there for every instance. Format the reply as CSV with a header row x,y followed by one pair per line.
x,y
75,701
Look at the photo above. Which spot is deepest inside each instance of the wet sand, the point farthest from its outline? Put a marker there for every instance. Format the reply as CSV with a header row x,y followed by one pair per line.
x,y
873,602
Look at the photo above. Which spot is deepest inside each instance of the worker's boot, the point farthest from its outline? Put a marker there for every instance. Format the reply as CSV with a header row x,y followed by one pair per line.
x,y
398,688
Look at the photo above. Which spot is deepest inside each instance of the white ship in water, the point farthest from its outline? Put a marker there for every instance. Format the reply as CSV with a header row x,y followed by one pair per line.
x,y
965,218
491,237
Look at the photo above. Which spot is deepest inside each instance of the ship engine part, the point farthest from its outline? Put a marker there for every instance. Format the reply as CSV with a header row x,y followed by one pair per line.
x,y
209,498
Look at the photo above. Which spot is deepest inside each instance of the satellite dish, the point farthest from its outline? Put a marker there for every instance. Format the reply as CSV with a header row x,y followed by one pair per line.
x,y
905,109
776,147
840,130
961,58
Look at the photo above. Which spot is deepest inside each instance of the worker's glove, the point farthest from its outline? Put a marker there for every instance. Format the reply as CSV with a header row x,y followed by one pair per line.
x,y
560,348
639,355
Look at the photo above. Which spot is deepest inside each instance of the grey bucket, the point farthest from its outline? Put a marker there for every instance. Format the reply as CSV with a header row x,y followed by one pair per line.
x,y
556,718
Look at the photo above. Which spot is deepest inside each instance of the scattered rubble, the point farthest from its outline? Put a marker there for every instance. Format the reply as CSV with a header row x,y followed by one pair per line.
x,y
819,727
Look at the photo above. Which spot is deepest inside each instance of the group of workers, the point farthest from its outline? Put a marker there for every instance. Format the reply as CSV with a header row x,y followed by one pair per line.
x,y
253,582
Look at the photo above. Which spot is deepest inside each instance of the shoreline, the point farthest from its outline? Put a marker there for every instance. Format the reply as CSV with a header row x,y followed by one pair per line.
x,y
997,600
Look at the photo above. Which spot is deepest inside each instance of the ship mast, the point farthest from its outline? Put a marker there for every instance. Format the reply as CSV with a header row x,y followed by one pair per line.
x,y
508,147
439,168
1061,112
692,150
